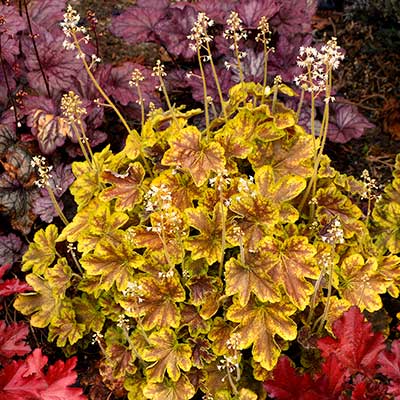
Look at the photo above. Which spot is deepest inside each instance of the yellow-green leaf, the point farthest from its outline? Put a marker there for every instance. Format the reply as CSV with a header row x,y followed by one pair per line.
x,y
360,282
259,323
168,355
251,277
112,264
283,189
292,261
170,390
42,251
43,304
88,182
65,327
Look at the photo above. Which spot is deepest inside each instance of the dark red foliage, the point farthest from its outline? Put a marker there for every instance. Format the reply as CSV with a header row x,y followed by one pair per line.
x,y
353,366
356,346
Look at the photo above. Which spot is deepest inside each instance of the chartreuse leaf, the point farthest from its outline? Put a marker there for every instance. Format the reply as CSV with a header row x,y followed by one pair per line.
x,y
251,276
291,262
135,385
80,224
170,390
167,355
259,323
155,301
132,146
257,216
332,203
103,224
112,264
126,187
88,182
88,312
287,157
65,327
189,151
219,334
389,267
45,303
42,252
284,189
208,243
360,282
387,218
247,394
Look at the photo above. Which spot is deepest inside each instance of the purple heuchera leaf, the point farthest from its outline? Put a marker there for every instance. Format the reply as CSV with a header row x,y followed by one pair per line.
x,y
346,123
294,17
48,128
252,66
116,83
225,81
216,10
284,60
60,181
251,11
11,248
138,24
59,65
13,22
174,31
46,13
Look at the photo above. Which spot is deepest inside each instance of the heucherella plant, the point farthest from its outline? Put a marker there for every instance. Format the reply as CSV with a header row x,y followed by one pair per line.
x,y
199,252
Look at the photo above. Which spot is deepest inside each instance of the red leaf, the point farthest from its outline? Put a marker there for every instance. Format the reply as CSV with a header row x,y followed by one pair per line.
x,y
356,347
59,377
12,339
389,365
288,385
25,379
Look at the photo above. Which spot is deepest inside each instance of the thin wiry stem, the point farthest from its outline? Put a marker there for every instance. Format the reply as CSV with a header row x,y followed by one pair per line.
x,y
31,34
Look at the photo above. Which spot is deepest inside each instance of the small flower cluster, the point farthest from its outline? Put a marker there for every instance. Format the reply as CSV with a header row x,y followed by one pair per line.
x,y
71,107
370,186
247,186
123,322
70,28
158,198
333,234
166,275
264,36
136,78
39,162
318,65
159,69
235,32
199,34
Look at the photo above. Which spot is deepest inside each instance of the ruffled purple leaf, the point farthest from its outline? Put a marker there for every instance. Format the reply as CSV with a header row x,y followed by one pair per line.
x,y
95,137
346,123
138,24
59,65
13,22
83,86
16,201
9,49
158,4
252,66
116,83
174,31
294,17
224,78
284,60
251,11
49,128
216,10
46,13
11,249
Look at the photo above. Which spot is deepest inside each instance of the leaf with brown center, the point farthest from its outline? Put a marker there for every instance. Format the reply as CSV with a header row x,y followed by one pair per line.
x,y
189,151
